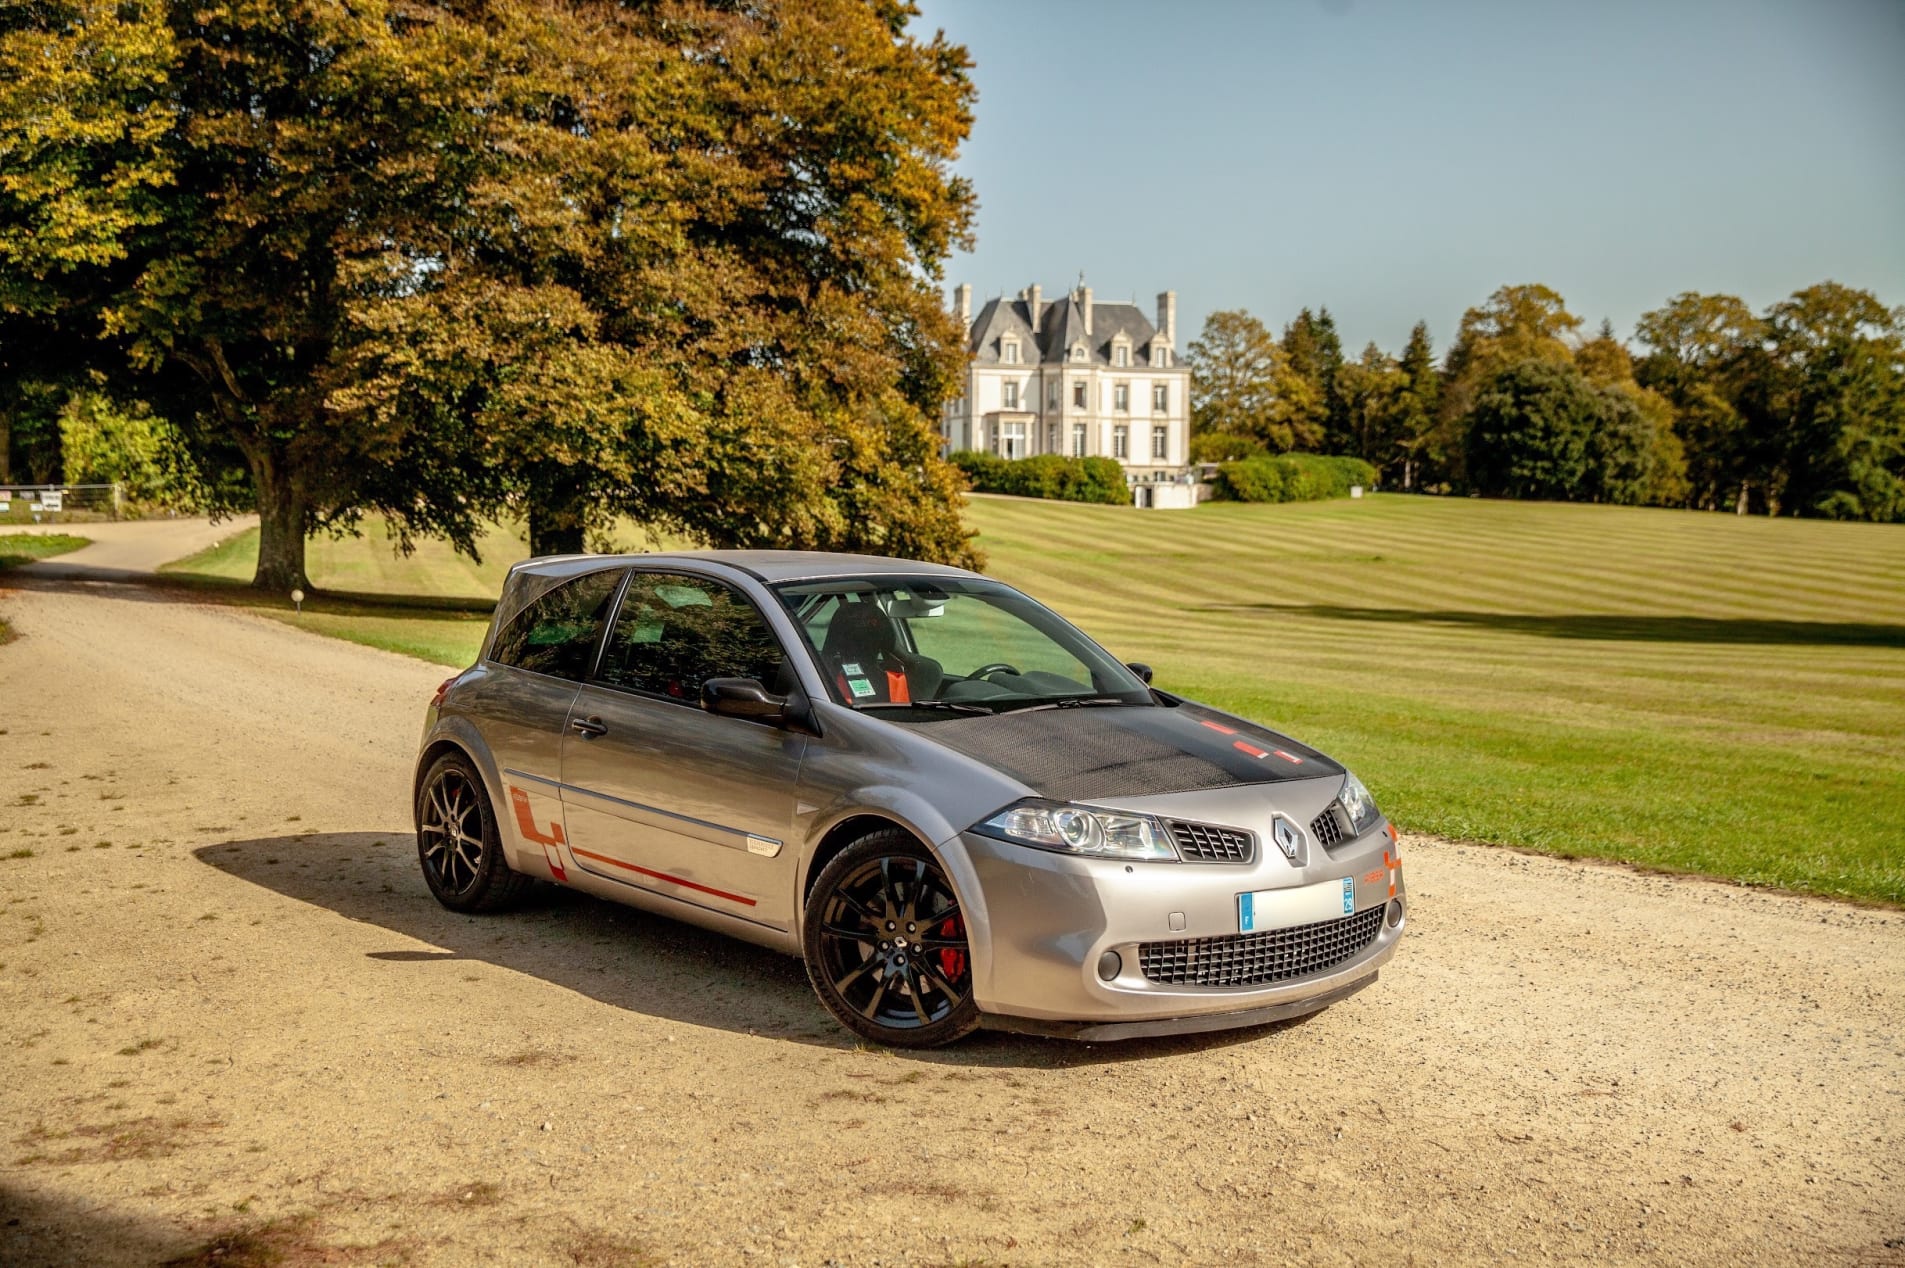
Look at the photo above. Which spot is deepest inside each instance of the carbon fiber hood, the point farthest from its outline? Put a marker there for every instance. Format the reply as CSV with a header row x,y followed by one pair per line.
x,y
1128,751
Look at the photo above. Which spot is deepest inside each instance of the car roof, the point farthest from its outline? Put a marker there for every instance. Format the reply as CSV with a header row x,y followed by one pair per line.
x,y
770,566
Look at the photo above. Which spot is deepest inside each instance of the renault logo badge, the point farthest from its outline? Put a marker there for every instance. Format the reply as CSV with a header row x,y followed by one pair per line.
x,y
1289,840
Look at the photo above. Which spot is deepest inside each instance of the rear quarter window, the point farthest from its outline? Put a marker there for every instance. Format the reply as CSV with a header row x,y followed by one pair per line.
x,y
557,634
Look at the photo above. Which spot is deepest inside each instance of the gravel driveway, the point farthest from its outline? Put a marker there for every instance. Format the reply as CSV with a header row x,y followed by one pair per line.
x,y
236,1025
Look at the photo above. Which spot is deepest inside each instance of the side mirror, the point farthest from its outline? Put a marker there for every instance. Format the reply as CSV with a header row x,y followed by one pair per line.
x,y
1142,670
742,698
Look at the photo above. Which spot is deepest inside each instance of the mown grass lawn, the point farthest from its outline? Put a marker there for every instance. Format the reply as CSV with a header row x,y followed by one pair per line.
x,y
1692,692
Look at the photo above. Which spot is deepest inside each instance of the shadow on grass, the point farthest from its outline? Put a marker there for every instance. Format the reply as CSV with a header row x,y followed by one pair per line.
x,y
1606,627
617,955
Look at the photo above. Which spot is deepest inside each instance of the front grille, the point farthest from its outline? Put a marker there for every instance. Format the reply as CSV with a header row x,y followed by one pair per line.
x,y
1202,843
1251,959
1327,828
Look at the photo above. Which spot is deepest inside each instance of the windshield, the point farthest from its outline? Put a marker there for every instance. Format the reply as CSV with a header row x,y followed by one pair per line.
x,y
950,644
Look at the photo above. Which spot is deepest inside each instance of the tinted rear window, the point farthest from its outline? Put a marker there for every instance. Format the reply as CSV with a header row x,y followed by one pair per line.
x,y
557,633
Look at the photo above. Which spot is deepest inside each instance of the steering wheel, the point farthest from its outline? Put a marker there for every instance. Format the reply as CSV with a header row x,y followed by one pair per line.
x,y
995,667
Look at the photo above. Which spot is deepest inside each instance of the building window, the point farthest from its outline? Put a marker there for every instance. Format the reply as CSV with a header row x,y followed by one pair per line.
x,y
1009,352
1160,443
1121,441
1078,395
1160,356
1121,397
1011,389
1161,397
1012,440
1121,356
1051,394
1078,440
1078,352
1051,438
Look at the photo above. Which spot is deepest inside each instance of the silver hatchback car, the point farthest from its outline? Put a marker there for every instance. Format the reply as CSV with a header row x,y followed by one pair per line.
x,y
956,807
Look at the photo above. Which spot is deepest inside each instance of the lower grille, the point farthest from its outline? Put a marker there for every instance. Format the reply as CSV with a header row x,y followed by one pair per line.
x,y
1199,842
1327,828
1251,959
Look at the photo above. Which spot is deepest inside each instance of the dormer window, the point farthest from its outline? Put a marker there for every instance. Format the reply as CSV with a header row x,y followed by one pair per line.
x,y
1078,352
1009,351
1160,356
1121,355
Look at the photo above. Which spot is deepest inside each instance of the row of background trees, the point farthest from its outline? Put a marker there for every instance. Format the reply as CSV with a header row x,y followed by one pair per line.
x,y
1797,410
571,264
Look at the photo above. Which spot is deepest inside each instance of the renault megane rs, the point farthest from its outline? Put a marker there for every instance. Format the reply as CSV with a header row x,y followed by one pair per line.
x,y
958,809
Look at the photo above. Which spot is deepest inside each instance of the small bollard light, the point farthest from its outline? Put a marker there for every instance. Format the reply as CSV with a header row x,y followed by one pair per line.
x,y
297,597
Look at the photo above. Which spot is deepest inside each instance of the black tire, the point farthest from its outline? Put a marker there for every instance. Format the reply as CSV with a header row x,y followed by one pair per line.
x,y
457,843
881,916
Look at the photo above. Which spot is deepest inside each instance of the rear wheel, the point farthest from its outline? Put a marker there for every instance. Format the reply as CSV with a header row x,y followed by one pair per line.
x,y
457,842
885,940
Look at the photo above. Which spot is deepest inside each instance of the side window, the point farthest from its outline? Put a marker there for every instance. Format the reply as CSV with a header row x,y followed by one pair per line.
x,y
557,633
676,632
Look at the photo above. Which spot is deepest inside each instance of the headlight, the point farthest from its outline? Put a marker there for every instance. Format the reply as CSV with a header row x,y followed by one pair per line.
x,y
1080,830
1359,805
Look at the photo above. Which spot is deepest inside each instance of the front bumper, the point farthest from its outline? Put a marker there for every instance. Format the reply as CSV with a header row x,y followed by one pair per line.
x,y
1051,918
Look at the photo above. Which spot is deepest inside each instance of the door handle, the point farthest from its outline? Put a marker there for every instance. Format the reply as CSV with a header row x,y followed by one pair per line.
x,y
588,728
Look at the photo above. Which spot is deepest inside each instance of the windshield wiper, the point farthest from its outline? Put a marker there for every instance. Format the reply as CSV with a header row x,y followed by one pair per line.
x,y
950,706
1072,702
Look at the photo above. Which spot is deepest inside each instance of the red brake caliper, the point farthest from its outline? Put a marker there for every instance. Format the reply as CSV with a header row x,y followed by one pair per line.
x,y
951,963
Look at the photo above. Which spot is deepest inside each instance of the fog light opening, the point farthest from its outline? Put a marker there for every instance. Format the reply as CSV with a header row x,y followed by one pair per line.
x,y
1395,912
1109,966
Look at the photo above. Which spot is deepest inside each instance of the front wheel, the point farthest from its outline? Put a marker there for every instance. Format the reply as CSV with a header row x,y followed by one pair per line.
x,y
885,940
457,842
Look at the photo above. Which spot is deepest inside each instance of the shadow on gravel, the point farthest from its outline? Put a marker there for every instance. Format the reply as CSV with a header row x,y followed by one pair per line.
x,y
620,956
40,1229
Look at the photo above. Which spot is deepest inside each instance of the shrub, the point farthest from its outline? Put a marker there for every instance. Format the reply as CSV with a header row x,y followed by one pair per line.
x,y
1290,477
1047,475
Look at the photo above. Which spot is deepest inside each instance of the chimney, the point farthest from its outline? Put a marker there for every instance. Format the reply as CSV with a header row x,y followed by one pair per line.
x,y
962,306
1034,295
1167,316
1084,302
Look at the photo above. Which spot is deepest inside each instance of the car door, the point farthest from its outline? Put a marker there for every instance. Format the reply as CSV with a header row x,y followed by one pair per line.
x,y
659,793
520,702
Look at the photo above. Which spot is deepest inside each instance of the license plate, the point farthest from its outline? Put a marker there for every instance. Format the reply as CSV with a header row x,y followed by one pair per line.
x,y
1306,904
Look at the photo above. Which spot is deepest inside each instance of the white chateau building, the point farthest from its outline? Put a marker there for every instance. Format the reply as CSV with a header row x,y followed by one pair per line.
x,y
1070,376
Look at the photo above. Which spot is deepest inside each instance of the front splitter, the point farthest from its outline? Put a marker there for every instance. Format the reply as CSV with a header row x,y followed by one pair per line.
x,y
1111,1031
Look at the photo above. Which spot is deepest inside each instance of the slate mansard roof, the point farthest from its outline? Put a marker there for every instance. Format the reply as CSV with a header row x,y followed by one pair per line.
x,y
1061,323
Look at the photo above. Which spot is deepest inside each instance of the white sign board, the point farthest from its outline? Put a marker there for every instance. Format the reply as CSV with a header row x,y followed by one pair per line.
x,y
52,500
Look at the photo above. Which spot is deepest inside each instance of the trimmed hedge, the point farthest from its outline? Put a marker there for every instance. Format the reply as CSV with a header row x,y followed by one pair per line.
x,y
1290,477
1047,475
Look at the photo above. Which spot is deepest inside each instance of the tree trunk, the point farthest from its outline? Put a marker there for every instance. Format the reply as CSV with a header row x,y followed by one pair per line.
x,y
283,519
6,447
555,528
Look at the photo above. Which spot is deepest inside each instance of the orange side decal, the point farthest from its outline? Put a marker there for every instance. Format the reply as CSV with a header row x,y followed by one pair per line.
x,y
1392,862
526,821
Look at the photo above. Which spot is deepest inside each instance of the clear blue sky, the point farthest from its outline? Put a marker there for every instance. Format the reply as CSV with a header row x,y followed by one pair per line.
x,y
1396,159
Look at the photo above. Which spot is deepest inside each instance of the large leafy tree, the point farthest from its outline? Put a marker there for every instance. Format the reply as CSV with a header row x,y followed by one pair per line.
x,y
1831,402
1699,351
1374,404
672,262
1314,352
1419,408
1245,397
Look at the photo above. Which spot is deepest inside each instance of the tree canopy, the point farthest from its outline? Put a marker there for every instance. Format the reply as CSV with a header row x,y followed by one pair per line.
x,y
576,263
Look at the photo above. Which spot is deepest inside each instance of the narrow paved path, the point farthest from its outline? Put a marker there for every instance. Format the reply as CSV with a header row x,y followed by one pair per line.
x,y
233,1018
128,550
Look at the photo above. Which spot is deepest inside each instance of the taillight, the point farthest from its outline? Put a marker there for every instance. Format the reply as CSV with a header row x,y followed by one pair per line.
x,y
436,701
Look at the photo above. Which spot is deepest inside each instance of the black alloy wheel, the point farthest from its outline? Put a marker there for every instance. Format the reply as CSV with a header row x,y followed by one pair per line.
x,y
457,842
885,939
